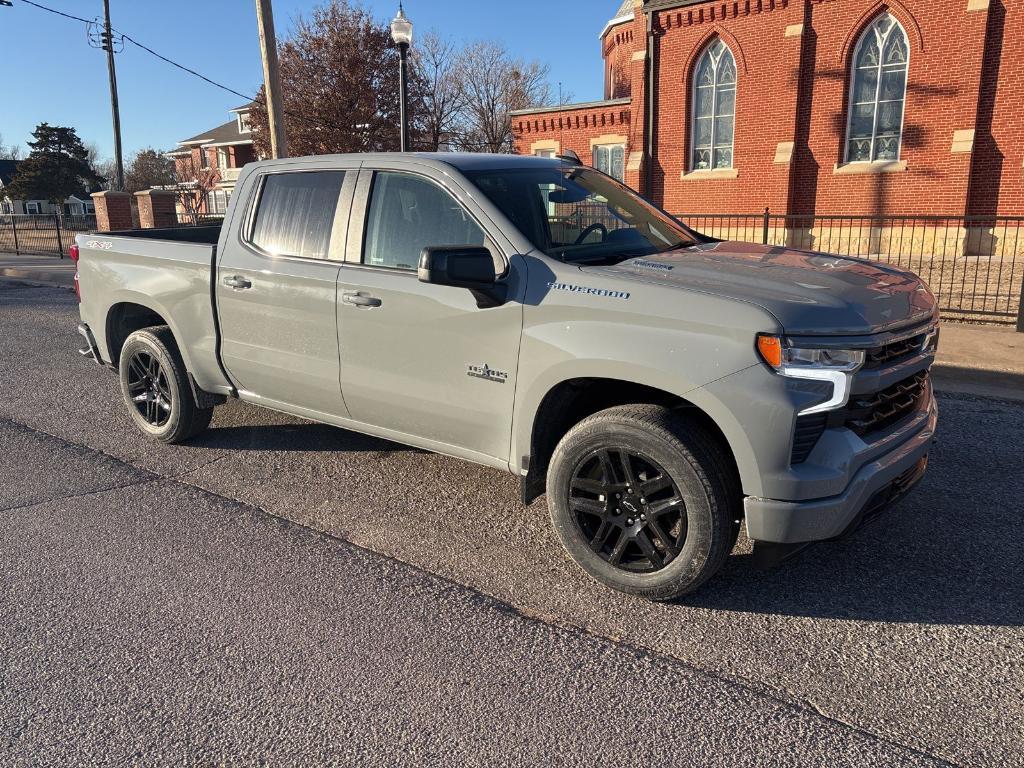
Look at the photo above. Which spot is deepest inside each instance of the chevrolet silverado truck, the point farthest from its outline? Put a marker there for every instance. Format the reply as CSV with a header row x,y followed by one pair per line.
x,y
537,316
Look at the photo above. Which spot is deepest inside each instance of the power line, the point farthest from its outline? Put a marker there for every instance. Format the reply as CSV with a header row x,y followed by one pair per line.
x,y
184,68
59,13
146,48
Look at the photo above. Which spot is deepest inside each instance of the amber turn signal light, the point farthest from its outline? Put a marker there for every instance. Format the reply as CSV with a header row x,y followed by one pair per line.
x,y
770,348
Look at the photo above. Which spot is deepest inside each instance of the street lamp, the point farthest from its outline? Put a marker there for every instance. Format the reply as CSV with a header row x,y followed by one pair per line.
x,y
401,33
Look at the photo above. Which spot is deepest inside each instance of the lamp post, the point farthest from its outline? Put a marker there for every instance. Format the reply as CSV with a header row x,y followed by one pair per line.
x,y
401,33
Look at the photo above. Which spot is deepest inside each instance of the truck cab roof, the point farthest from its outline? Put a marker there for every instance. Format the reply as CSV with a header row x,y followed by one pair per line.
x,y
463,161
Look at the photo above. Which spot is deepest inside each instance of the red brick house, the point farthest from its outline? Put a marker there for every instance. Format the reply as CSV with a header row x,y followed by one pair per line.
x,y
218,154
859,107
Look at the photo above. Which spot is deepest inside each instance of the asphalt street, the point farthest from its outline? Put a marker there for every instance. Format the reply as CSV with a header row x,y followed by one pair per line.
x,y
279,592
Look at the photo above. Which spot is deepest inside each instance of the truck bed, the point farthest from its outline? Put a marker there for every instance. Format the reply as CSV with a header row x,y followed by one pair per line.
x,y
207,234
168,273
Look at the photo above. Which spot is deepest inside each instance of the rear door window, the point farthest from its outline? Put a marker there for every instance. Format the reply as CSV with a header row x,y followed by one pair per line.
x,y
295,214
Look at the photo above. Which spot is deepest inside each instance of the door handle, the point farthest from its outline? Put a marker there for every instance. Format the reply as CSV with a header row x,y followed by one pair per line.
x,y
237,282
361,300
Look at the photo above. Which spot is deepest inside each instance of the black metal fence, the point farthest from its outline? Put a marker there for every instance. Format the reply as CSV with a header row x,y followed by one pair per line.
x,y
973,264
46,233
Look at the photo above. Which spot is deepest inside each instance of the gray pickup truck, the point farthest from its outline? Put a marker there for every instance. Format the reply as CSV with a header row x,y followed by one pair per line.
x,y
536,316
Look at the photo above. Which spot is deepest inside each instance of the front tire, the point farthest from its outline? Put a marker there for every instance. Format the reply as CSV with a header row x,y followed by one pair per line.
x,y
642,500
156,388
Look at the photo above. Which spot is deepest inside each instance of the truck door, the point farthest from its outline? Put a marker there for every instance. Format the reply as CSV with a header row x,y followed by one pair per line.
x,y
277,288
423,359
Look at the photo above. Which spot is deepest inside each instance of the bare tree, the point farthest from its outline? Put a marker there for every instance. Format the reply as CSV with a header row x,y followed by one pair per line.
x,y
439,105
192,186
338,79
12,152
494,84
103,168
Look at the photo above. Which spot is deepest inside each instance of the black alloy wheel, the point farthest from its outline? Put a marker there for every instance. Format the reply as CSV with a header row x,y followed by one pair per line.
x,y
629,509
149,389
644,499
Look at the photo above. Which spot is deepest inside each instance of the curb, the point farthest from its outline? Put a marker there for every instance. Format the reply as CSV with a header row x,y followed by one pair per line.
x,y
18,280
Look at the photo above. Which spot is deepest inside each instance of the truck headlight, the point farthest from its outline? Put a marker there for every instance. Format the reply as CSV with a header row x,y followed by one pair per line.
x,y
836,366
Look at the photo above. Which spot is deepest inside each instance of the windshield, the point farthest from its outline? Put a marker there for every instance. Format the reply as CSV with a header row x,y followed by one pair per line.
x,y
581,216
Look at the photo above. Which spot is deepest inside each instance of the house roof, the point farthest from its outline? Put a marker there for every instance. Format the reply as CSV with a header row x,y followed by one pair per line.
x,y
223,134
7,170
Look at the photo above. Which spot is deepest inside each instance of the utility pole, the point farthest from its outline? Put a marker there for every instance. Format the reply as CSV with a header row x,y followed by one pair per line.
x,y
271,79
108,46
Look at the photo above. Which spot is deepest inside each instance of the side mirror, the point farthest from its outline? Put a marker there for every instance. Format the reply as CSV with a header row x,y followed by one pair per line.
x,y
467,266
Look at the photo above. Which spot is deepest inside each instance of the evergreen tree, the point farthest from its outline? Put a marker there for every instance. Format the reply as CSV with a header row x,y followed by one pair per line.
x,y
57,167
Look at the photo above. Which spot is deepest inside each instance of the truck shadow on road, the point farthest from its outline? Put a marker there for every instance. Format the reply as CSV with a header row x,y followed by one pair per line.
x,y
295,437
938,557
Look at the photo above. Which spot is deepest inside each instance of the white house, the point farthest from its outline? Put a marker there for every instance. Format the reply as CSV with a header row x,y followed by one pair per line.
x,y
75,205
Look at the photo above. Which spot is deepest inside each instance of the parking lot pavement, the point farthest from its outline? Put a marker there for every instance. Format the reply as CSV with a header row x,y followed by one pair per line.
x,y
909,635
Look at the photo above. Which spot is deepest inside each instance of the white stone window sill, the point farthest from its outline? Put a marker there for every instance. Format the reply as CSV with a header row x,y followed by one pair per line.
x,y
710,174
864,168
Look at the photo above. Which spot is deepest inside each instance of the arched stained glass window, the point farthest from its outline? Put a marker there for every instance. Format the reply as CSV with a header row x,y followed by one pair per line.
x,y
714,108
879,91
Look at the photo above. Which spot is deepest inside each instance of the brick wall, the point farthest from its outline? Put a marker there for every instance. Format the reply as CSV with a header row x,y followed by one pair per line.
x,y
962,144
617,49
767,62
573,129
997,178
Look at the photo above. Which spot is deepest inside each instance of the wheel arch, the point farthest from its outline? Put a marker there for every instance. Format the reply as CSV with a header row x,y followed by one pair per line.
x,y
133,313
571,400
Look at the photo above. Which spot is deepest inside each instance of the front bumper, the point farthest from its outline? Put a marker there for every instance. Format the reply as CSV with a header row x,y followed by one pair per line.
x,y
875,485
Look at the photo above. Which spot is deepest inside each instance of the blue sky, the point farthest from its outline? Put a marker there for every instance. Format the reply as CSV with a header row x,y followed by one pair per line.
x,y
50,73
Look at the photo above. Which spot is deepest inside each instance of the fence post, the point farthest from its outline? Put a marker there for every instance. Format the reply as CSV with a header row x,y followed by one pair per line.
x,y
56,225
767,222
14,226
1020,310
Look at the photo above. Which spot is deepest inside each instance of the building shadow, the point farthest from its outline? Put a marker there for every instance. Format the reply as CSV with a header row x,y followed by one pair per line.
x,y
988,161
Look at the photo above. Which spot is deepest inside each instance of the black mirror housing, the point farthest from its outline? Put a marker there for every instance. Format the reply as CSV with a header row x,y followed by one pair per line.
x,y
466,266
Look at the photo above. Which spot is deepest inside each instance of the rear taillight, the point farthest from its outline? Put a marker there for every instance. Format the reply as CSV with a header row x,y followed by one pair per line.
x,y
74,253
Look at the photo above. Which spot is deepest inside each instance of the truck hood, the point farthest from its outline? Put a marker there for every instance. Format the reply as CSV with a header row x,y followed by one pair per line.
x,y
809,293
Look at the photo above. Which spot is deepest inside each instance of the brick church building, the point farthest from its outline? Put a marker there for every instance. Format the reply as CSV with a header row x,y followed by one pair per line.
x,y
828,107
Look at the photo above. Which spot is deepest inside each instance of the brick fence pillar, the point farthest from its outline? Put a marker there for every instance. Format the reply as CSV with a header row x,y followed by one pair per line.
x,y
113,211
157,208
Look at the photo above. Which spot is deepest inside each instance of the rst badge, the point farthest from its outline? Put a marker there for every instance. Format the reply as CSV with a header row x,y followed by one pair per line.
x,y
487,373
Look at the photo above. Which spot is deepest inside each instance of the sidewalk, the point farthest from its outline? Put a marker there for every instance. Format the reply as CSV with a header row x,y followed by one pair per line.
x,y
49,270
984,360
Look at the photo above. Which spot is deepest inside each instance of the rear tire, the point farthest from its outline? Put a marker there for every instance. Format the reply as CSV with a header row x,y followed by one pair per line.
x,y
644,501
156,387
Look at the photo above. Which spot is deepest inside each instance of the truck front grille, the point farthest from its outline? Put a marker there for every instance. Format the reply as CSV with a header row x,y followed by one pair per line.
x,y
870,413
894,352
